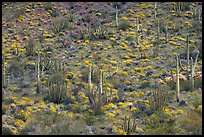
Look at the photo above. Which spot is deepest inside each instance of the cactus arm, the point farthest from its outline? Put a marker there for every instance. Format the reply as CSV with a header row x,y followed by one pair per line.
x,y
180,64
195,61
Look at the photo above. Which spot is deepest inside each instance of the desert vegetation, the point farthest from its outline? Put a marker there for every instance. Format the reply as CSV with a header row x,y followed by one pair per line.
x,y
102,68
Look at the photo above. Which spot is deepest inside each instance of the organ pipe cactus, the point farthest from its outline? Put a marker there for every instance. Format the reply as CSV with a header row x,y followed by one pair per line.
x,y
159,98
127,126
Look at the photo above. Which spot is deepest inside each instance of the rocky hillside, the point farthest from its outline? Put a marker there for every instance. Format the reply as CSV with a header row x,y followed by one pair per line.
x,y
85,68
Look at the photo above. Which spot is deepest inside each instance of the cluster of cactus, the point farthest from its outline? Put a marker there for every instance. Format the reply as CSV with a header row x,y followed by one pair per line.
x,y
100,33
197,14
128,126
159,98
85,33
57,88
98,98
189,71
190,66
177,7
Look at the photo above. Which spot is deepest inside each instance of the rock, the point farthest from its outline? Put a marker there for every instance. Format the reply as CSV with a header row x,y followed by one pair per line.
x,y
109,129
182,103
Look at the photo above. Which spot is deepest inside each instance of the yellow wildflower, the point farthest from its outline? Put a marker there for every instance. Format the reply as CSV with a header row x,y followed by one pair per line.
x,y
179,112
52,109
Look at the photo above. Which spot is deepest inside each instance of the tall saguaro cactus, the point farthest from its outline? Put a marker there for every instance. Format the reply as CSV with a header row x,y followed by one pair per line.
x,y
158,30
38,73
177,80
116,15
101,81
166,34
155,10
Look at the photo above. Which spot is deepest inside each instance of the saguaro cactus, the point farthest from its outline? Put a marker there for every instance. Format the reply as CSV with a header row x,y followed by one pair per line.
x,y
177,80
116,15
38,73
101,81
166,34
158,30
155,10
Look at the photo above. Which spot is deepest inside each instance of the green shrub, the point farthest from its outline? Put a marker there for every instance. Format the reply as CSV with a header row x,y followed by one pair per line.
x,y
60,24
30,47
48,6
124,25
160,124
191,123
54,124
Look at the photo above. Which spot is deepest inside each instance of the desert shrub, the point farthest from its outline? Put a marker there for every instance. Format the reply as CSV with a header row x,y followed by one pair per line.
x,y
16,68
60,24
18,12
171,84
185,85
13,13
30,47
124,25
198,83
160,124
130,38
191,123
197,101
90,119
48,6
54,124
7,130
19,115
